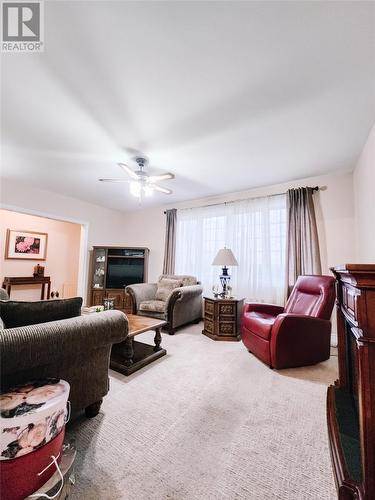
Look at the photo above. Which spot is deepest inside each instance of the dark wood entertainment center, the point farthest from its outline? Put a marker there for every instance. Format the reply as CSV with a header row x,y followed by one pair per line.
x,y
130,266
351,400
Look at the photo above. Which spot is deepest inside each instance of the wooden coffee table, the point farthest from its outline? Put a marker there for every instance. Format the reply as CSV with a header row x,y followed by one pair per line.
x,y
131,355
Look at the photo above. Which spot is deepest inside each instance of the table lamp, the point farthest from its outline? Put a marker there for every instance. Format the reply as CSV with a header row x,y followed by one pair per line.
x,y
224,258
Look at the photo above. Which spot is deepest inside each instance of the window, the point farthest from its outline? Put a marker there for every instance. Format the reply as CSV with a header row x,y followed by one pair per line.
x,y
254,229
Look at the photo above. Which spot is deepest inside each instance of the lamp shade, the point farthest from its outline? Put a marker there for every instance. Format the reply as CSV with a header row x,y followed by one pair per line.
x,y
225,257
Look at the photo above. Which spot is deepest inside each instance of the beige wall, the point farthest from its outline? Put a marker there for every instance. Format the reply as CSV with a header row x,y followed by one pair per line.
x,y
334,210
364,198
61,264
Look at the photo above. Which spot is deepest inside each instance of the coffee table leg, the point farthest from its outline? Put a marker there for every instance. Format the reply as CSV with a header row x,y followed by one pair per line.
x,y
128,352
157,339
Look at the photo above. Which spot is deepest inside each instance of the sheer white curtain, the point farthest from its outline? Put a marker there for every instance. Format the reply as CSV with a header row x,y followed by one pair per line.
x,y
254,229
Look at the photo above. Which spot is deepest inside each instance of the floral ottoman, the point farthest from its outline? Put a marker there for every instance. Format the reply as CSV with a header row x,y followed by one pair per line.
x,y
32,427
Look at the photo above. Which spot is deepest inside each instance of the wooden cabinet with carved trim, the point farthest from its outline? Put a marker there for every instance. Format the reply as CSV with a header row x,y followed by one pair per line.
x,y
129,307
122,300
97,298
222,318
351,400
117,296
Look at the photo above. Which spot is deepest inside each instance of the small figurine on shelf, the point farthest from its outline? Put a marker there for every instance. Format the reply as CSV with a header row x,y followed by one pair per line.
x,y
109,303
215,290
38,271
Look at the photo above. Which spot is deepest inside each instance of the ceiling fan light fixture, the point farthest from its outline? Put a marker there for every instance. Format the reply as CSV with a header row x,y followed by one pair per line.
x,y
138,188
140,182
148,190
135,189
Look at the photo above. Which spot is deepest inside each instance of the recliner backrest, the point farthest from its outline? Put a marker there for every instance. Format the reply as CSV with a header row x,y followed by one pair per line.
x,y
312,295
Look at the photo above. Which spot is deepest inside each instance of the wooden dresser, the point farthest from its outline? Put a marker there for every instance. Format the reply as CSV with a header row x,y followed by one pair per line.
x,y
222,318
351,400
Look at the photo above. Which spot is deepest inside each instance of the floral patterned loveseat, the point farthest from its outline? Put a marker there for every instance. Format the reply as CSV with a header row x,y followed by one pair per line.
x,y
177,299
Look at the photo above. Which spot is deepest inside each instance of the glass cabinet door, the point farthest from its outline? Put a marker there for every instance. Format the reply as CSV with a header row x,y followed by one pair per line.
x,y
99,268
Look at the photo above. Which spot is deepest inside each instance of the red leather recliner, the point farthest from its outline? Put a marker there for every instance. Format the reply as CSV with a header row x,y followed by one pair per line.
x,y
297,335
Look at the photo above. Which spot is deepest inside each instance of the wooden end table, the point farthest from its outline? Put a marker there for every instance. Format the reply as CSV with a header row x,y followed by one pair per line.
x,y
222,318
129,356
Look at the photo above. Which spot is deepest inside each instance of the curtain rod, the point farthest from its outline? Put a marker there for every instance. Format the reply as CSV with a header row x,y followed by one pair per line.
x,y
315,188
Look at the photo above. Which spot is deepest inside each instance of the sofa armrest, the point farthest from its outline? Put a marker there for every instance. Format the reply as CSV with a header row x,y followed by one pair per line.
x,y
30,346
298,340
263,308
184,305
140,292
185,293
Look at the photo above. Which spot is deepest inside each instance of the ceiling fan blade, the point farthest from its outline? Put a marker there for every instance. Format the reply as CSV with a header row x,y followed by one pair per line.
x,y
128,171
155,187
132,152
162,177
113,180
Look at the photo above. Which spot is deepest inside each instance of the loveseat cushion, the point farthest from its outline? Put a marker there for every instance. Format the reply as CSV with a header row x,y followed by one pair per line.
x,y
259,323
166,287
153,306
16,313
185,279
189,280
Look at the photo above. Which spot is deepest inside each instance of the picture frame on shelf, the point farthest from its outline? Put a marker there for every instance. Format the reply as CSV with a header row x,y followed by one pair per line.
x,y
27,245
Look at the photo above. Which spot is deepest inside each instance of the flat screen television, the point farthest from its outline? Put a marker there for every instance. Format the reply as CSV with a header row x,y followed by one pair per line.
x,y
122,272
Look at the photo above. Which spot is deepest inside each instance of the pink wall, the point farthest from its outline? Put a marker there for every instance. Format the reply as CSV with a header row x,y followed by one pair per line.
x,y
62,254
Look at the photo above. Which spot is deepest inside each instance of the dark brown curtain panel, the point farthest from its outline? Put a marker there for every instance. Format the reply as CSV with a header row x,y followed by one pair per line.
x,y
170,241
303,255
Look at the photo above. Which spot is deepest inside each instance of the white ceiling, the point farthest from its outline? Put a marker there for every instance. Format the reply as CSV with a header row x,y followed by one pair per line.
x,y
226,95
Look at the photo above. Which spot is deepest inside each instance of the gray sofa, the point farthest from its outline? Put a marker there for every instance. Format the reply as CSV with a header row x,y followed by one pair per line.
x,y
73,347
182,305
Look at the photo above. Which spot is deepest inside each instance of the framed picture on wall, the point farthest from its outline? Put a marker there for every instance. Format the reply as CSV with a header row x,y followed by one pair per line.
x,y
27,245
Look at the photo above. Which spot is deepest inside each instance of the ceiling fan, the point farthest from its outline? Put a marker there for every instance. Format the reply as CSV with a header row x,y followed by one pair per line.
x,y
140,181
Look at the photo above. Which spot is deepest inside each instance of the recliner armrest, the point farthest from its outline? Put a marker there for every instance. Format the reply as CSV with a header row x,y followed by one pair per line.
x,y
261,307
298,340
299,322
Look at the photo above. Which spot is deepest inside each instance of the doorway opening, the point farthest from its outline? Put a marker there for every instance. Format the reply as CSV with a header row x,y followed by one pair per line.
x,y
64,260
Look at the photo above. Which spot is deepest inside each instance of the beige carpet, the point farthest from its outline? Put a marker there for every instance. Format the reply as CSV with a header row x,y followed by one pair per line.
x,y
208,421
